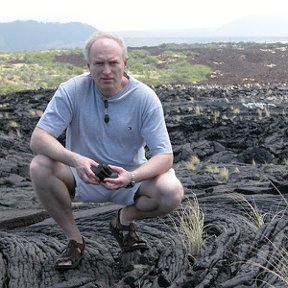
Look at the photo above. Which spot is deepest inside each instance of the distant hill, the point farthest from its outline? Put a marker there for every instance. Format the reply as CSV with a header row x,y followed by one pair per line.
x,y
268,28
33,35
257,26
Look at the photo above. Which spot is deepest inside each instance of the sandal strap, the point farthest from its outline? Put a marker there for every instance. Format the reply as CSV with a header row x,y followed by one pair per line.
x,y
128,241
132,235
72,248
131,228
73,252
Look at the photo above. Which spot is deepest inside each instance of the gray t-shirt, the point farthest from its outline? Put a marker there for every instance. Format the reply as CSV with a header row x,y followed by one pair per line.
x,y
135,119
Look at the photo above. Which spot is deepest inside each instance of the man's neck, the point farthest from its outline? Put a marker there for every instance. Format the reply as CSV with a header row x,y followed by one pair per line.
x,y
109,93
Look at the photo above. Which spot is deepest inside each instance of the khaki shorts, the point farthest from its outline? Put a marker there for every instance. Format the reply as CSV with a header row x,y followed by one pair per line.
x,y
99,194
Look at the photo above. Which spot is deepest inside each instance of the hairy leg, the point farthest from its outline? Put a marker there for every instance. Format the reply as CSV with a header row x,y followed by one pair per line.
x,y
155,197
54,184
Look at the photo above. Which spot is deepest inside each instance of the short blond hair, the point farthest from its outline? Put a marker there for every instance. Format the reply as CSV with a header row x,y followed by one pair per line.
x,y
99,35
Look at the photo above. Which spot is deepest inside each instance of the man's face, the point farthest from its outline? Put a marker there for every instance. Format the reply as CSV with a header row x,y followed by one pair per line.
x,y
106,65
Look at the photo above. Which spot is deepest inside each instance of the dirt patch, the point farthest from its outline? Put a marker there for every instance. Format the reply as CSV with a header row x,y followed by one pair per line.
x,y
230,65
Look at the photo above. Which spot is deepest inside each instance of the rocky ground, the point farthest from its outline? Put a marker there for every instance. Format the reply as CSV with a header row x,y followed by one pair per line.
x,y
238,134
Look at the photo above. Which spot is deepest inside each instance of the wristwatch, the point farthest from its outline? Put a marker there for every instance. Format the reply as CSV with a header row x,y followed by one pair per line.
x,y
132,182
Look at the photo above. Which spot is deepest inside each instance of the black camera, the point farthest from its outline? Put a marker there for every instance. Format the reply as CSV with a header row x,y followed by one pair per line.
x,y
102,171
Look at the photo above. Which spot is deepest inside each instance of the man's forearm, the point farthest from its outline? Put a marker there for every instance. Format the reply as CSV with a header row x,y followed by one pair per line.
x,y
155,166
44,143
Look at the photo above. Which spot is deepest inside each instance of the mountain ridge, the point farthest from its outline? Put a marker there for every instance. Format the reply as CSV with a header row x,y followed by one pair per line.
x,y
33,35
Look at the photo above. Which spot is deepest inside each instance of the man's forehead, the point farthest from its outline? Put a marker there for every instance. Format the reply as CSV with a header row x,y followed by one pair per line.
x,y
106,43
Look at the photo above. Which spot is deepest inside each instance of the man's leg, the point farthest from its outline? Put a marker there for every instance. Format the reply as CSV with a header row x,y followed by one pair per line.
x,y
155,197
54,184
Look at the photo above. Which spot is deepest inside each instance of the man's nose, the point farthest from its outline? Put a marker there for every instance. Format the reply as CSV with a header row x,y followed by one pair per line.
x,y
107,69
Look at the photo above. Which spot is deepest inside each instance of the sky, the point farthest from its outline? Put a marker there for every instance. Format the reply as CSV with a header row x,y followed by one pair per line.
x,y
133,15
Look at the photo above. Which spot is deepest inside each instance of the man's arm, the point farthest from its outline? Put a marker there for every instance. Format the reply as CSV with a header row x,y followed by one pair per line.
x,y
44,143
155,166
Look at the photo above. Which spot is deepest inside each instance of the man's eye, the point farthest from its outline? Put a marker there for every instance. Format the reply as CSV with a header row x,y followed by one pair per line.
x,y
98,63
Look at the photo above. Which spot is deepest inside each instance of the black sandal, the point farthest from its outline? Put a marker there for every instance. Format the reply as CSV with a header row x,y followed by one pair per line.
x,y
130,241
73,254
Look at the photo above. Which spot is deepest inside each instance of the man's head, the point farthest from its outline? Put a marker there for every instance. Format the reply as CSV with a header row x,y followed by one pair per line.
x,y
106,57
98,35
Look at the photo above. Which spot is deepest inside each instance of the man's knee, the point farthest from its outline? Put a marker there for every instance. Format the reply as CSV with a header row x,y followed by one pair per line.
x,y
38,164
165,191
171,193
175,195
44,171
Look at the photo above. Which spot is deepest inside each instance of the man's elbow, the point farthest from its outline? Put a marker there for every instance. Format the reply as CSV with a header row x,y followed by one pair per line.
x,y
34,140
169,160
33,144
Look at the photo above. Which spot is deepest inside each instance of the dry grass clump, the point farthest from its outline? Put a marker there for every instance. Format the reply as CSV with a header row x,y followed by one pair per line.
x,y
223,173
193,163
272,263
277,263
189,225
250,210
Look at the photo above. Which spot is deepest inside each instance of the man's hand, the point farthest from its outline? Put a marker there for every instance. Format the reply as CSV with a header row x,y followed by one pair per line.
x,y
83,167
122,179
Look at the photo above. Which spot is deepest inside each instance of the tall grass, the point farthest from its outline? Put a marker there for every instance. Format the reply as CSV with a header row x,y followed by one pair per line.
x,y
277,266
189,225
277,263
250,210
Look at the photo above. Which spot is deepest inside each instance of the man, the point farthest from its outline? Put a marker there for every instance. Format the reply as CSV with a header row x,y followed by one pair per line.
x,y
109,117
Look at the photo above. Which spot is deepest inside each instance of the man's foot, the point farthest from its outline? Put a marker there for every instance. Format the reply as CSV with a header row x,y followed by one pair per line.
x,y
126,235
71,257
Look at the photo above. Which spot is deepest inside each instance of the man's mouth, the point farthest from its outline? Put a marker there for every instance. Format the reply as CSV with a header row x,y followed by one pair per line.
x,y
107,79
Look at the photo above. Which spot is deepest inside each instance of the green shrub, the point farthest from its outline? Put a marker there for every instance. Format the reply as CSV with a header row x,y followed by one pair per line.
x,y
36,69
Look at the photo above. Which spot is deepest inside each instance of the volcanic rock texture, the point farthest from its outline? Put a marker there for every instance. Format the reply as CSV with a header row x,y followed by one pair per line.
x,y
231,151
